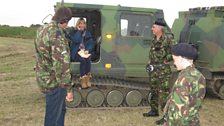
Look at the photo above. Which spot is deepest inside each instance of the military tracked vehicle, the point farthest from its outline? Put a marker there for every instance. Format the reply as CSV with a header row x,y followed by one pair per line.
x,y
203,27
123,36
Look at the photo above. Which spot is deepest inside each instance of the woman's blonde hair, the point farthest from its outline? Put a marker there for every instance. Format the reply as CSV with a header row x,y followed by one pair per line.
x,y
79,22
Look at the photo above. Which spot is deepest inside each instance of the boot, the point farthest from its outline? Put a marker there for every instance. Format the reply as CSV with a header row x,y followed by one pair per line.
x,y
88,79
160,122
151,114
83,81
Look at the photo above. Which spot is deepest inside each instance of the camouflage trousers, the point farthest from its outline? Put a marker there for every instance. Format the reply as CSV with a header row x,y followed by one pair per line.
x,y
170,121
159,84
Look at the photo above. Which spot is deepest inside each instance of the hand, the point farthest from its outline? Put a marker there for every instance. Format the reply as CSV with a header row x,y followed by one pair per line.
x,y
78,28
86,52
69,96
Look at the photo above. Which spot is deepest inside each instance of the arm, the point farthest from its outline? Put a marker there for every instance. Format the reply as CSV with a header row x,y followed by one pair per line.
x,y
76,36
179,101
168,46
90,44
60,58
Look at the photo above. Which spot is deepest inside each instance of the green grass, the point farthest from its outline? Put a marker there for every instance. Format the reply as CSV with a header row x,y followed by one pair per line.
x,y
17,32
22,104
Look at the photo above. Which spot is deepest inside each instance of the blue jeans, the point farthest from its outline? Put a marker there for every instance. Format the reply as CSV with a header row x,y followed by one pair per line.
x,y
85,66
55,107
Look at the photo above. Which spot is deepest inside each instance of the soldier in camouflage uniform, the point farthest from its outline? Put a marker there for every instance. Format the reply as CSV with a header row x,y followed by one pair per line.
x,y
159,56
52,66
184,103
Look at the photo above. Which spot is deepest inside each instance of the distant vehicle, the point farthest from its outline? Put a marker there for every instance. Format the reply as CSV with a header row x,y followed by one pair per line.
x,y
203,27
123,36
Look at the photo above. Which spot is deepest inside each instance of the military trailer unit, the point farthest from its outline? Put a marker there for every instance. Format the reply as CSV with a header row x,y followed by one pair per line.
x,y
122,36
203,27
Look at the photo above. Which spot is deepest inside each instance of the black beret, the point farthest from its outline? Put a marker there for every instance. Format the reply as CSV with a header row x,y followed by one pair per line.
x,y
160,22
185,50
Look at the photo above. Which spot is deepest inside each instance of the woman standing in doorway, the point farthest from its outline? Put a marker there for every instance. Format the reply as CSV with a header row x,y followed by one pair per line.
x,y
82,47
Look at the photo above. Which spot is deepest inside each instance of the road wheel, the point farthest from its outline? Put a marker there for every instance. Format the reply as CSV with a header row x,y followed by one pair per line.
x,y
95,98
115,98
221,91
133,98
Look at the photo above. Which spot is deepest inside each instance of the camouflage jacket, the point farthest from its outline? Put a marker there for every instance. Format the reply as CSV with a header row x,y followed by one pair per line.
x,y
185,99
52,58
160,50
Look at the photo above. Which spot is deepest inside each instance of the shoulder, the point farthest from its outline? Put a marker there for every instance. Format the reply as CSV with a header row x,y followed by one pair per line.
x,y
197,81
164,39
76,32
195,72
168,38
46,31
50,28
198,76
73,30
44,28
194,76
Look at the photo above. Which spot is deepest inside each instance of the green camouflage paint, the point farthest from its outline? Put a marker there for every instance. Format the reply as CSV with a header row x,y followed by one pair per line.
x,y
203,27
121,60
127,55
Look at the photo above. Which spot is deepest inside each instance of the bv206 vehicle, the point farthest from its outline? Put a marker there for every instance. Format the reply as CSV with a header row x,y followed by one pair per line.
x,y
123,36
203,27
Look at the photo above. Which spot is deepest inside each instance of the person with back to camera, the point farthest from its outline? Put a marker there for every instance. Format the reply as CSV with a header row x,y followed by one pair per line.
x,y
82,46
185,100
159,55
52,66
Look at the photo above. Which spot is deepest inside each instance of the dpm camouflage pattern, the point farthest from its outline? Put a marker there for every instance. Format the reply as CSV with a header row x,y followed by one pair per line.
x,y
160,52
203,27
185,100
52,58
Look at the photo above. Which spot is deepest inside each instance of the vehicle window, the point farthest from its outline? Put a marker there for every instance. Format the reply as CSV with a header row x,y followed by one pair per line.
x,y
135,25
124,27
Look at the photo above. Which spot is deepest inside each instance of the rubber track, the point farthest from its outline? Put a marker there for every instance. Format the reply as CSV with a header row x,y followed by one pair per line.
x,y
211,87
110,81
104,82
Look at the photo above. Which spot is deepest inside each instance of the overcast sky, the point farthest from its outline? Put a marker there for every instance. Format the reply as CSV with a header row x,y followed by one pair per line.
x,y
27,12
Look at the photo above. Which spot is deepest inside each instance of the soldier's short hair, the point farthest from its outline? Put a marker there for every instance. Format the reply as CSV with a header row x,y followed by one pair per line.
x,y
62,15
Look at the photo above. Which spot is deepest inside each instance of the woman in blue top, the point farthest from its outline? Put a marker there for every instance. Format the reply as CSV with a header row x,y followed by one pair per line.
x,y
82,47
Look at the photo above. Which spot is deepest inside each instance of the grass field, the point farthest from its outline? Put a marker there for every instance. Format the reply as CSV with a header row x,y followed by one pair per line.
x,y
18,32
22,104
